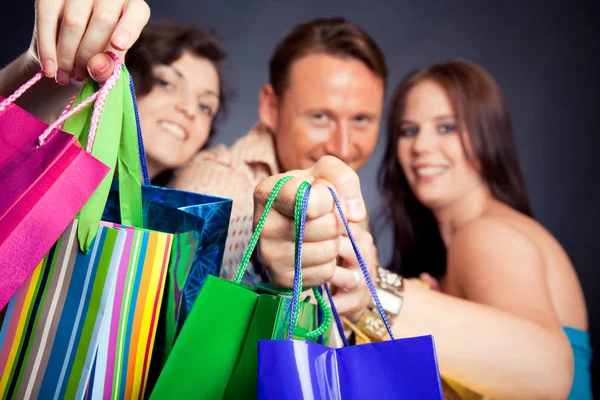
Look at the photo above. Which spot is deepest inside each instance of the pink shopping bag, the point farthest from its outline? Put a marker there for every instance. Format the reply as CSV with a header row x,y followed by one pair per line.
x,y
45,179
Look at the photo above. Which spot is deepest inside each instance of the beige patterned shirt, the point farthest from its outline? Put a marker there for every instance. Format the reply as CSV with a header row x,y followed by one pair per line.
x,y
233,172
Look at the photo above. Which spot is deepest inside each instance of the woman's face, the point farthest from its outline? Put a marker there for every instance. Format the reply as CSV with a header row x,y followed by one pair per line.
x,y
177,115
430,151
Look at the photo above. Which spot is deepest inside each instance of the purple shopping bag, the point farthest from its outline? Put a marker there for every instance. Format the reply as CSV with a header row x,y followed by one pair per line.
x,y
46,178
395,369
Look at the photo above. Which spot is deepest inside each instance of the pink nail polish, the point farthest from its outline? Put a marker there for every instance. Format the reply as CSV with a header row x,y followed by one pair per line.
x,y
101,68
49,68
62,77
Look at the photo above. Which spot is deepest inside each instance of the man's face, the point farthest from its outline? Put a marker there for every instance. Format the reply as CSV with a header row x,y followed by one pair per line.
x,y
331,106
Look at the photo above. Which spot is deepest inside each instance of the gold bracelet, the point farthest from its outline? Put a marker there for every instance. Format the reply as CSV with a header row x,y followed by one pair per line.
x,y
389,288
420,282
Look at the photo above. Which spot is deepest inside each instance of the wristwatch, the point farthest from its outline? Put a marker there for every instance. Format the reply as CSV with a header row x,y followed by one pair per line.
x,y
389,290
389,287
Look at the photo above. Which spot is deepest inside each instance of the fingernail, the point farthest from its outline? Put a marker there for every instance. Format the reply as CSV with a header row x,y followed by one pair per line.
x,y
62,77
79,74
121,39
353,207
101,68
49,67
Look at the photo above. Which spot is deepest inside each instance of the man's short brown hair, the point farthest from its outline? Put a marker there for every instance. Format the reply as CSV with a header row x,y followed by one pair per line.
x,y
333,36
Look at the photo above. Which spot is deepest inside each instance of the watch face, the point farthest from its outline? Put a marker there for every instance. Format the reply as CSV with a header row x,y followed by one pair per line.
x,y
389,281
390,302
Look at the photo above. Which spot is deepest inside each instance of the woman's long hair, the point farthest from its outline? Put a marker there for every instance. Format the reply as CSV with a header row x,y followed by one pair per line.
x,y
482,112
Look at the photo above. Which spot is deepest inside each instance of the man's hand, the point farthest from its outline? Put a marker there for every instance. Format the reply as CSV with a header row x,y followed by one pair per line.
x,y
325,237
352,294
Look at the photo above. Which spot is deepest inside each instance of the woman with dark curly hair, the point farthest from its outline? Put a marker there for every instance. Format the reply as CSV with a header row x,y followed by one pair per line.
x,y
176,70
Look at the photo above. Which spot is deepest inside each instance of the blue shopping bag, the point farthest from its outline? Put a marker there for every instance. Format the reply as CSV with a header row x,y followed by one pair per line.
x,y
394,369
199,225
206,216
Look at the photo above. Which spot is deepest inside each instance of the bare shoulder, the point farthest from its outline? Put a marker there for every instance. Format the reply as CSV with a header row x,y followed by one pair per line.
x,y
490,251
494,236
510,261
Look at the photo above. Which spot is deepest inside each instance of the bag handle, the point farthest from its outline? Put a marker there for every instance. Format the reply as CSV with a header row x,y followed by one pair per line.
x,y
19,92
256,234
298,248
99,96
300,210
141,151
297,273
116,145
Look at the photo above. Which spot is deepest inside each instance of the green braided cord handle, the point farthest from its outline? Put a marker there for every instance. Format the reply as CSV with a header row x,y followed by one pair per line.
x,y
258,229
300,195
320,330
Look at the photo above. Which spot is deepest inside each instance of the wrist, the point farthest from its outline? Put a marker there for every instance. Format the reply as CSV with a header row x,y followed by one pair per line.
x,y
390,290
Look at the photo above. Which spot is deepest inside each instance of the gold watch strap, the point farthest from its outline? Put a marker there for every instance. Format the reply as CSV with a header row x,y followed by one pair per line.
x,y
371,324
360,336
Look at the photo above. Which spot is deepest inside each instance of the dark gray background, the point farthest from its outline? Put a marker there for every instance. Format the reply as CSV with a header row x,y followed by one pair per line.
x,y
543,54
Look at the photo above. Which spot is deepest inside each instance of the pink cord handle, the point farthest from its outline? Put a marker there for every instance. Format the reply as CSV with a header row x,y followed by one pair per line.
x,y
100,97
11,99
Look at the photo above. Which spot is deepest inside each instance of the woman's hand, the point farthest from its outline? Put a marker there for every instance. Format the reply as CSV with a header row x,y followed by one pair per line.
x,y
71,35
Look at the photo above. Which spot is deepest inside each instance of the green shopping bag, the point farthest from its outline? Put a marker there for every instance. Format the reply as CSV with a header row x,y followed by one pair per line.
x,y
215,355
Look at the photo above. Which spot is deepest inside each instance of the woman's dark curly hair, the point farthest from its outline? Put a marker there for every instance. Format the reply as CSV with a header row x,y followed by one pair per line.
x,y
164,42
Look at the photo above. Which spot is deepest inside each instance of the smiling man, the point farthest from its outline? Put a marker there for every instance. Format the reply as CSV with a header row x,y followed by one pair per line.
x,y
324,97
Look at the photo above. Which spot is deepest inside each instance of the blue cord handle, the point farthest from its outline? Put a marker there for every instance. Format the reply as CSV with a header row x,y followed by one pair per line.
x,y
143,163
363,267
361,262
298,262
336,316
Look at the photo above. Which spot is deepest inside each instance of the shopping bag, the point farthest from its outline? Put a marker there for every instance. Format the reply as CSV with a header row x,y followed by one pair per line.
x,y
215,355
197,249
46,177
111,378
125,341
132,259
215,212
395,369
128,359
52,326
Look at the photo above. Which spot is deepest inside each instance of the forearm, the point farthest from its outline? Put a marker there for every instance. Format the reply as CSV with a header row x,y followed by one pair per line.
x,y
46,99
487,350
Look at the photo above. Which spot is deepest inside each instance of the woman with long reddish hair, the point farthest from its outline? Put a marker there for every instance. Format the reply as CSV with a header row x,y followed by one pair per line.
x,y
509,316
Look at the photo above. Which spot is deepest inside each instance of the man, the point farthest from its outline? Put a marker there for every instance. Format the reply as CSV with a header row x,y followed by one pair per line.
x,y
324,98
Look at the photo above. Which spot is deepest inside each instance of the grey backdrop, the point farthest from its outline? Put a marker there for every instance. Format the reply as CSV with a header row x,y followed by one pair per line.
x,y
544,55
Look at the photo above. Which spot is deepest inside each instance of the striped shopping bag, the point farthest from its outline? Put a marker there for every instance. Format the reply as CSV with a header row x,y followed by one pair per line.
x,y
54,324
127,335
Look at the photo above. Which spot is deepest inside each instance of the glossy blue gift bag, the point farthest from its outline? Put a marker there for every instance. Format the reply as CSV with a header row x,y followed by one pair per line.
x,y
394,369
199,223
207,217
